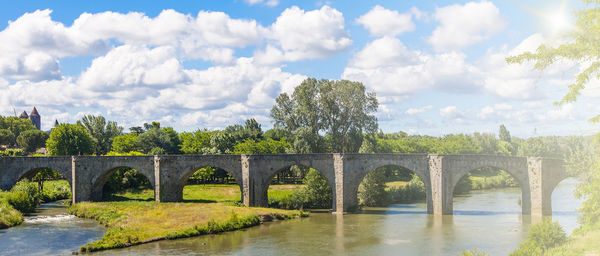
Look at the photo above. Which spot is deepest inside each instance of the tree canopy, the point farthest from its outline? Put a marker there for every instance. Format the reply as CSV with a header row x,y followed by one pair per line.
x,y
69,139
343,110
102,132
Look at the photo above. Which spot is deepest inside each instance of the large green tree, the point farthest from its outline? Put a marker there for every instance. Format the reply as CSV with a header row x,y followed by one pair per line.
x,y
31,140
341,109
11,127
69,139
102,131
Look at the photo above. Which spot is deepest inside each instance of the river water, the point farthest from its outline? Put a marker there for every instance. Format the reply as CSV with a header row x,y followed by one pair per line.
x,y
488,220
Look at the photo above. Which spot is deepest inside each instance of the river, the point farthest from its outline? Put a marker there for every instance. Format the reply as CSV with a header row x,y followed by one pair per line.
x,y
489,220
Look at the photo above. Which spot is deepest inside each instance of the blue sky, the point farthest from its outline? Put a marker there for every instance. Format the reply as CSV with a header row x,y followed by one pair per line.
x,y
436,67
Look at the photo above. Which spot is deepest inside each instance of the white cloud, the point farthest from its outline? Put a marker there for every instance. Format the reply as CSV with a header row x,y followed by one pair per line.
x,y
497,112
383,22
464,25
33,44
414,111
130,66
298,35
390,69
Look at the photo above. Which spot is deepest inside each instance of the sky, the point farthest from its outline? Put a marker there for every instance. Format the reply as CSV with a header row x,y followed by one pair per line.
x,y
437,67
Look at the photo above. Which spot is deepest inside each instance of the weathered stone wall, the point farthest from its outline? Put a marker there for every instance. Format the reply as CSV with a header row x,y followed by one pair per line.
x,y
13,169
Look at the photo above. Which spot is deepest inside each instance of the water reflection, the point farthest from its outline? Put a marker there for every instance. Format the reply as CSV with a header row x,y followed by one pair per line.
x,y
489,220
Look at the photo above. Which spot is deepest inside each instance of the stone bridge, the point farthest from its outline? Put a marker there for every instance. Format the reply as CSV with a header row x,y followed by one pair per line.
x,y
168,174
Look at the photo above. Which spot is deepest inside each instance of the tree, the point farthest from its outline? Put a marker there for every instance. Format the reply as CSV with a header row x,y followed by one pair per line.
x,y
503,133
102,131
267,146
341,109
164,138
69,139
125,143
15,126
206,142
31,140
250,130
6,137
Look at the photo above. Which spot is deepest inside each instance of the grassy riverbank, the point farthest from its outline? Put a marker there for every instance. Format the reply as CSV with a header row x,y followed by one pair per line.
x,y
25,197
582,243
134,222
209,193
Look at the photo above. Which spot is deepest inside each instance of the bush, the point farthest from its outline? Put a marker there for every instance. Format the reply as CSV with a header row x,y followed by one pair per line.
x,y
12,152
474,252
464,185
316,194
9,216
24,196
541,237
125,178
412,192
371,191
56,190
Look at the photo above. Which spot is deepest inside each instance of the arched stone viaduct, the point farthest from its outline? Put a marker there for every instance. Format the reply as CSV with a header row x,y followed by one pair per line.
x,y
344,172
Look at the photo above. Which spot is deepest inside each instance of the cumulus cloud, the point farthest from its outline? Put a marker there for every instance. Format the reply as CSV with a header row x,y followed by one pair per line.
x,y
129,66
33,44
383,22
299,34
464,25
390,69
414,111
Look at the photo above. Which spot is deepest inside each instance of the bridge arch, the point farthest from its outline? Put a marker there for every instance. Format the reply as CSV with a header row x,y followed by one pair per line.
x,y
188,172
267,166
460,165
99,181
421,174
16,168
330,180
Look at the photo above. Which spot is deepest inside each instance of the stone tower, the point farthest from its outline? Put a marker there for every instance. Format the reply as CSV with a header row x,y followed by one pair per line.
x,y
35,118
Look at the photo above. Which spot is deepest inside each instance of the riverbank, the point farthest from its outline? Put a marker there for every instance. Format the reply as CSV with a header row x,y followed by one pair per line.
x,y
580,243
24,197
131,223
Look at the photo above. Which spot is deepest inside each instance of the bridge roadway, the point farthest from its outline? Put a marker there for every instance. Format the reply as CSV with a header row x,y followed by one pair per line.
x,y
168,174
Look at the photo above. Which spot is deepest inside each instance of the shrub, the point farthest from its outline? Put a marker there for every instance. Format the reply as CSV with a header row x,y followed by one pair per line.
x,y
371,191
413,191
24,196
463,186
474,252
9,216
12,152
56,190
541,237
316,194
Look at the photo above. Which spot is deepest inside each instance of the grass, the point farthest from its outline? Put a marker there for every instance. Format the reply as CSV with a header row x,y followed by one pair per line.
x,y
209,193
395,184
579,243
135,222
9,216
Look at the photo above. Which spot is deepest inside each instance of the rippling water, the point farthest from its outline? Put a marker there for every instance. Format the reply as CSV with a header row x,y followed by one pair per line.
x,y
50,231
489,220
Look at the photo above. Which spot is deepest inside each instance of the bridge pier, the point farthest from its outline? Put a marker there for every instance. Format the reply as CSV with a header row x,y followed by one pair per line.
x,y
544,175
441,189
